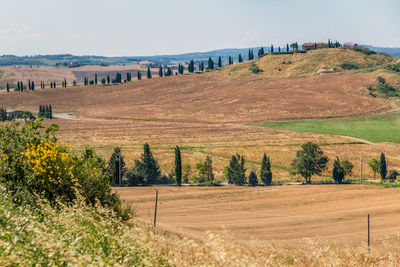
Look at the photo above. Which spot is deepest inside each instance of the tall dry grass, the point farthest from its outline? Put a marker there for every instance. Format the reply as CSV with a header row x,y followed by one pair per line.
x,y
80,235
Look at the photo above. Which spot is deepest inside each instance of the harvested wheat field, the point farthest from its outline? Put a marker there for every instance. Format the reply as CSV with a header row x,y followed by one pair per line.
x,y
279,214
210,114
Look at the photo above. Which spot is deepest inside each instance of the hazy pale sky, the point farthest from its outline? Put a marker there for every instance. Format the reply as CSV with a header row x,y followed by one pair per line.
x,y
153,27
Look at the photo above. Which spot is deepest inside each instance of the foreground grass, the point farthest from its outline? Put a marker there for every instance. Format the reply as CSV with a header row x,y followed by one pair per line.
x,y
80,235
374,128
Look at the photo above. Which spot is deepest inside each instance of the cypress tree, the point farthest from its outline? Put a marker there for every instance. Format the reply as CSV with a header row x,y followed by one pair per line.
x,y
160,71
338,171
29,84
33,86
8,88
240,60
179,68
65,82
116,167
236,171
383,167
139,75
229,60
128,76
201,66
54,84
219,62
148,73
108,79
253,181
95,78
18,86
287,47
178,165
22,86
265,172
210,63
272,49
147,167
279,49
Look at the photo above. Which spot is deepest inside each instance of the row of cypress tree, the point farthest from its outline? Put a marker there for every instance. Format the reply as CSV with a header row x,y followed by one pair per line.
x,y
45,111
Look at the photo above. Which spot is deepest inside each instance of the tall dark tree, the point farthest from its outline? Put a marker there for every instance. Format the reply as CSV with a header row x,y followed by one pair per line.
x,y
160,71
191,66
22,86
265,172
236,171
50,112
240,59
272,49
18,86
310,160
338,171
148,73
95,78
287,47
33,86
147,167
108,79
8,88
261,52
253,181
116,167
178,165
29,84
139,75
383,167
210,63
230,60
128,76
219,62
201,66
251,55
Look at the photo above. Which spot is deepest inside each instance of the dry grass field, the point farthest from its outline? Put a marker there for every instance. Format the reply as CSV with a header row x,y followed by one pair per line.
x,y
284,215
12,74
209,114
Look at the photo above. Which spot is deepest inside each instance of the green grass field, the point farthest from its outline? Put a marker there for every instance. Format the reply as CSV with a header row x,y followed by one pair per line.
x,y
374,128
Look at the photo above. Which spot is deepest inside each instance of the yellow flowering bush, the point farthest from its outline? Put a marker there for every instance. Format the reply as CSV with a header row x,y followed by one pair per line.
x,y
51,166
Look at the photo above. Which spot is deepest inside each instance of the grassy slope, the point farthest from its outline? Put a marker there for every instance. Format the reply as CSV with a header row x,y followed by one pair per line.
x,y
298,65
375,128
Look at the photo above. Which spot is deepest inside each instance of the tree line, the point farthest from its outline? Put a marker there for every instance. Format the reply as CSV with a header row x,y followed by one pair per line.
x,y
310,160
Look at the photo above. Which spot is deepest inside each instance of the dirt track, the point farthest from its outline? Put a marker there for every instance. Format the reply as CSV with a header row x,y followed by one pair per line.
x,y
281,214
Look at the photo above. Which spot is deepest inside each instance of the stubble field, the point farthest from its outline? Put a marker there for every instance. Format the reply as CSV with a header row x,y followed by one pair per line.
x,y
284,215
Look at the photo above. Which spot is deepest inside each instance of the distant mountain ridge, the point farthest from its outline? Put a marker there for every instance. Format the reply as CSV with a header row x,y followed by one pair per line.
x,y
66,59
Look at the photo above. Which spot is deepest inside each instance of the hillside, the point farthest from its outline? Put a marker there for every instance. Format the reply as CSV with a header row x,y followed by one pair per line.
x,y
307,64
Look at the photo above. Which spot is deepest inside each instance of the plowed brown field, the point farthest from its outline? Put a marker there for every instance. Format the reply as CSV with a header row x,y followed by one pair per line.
x,y
283,215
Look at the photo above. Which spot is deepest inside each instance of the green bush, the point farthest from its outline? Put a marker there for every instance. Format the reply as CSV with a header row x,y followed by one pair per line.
x,y
255,69
349,66
33,163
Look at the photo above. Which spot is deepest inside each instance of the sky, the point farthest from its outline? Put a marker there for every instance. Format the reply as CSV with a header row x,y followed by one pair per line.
x,y
156,27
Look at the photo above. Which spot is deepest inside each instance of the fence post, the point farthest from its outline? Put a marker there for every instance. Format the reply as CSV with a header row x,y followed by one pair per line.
x,y
369,240
155,210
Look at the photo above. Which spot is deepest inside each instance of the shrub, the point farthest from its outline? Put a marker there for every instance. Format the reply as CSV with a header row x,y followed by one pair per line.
x,y
393,175
255,69
349,66
103,81
32,163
